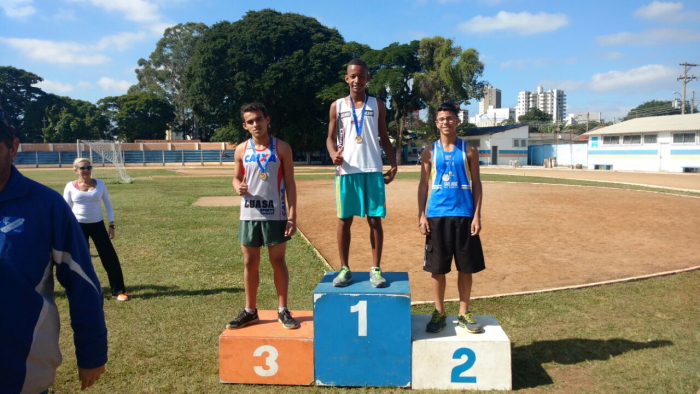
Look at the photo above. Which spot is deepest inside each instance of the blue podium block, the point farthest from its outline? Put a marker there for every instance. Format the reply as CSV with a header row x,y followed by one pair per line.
x,y
362,334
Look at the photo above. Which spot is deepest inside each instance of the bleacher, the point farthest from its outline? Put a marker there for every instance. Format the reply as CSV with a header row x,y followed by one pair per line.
x,y
145,157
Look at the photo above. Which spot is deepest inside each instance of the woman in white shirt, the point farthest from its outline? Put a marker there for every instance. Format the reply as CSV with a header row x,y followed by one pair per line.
x,y
85,197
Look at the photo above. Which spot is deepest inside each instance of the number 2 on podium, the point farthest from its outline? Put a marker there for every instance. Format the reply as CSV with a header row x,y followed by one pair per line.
x,y
361,309
461,368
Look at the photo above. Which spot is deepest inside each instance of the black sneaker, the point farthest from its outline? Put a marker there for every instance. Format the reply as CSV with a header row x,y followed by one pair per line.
x,y
288,322
244,319
437,322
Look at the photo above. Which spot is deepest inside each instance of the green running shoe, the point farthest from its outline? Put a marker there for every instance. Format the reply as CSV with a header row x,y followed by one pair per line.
x,y
437,322
375,276
344,278
468,322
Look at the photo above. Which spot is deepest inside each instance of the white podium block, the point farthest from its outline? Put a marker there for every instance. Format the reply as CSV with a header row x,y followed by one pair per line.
x,y
458,360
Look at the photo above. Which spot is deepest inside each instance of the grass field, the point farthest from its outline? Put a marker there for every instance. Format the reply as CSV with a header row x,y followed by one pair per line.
x,y
183,267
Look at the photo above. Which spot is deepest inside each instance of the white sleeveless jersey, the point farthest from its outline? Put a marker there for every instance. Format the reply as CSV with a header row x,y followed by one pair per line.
x,y
365,156
265,199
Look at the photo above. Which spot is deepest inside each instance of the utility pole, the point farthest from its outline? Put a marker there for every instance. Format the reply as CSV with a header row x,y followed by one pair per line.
x,y
686,66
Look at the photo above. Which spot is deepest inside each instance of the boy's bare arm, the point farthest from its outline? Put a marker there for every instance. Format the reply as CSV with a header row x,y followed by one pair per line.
x,y
239,183
386,143
477,190
332,140
423,186
286,157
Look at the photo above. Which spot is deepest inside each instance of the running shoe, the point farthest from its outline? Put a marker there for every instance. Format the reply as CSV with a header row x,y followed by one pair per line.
x,y
437,322
288,322
243,319
375,276
122,297
468,322
344,277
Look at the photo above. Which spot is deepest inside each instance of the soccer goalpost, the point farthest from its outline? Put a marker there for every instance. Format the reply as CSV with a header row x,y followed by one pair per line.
x,y
104,154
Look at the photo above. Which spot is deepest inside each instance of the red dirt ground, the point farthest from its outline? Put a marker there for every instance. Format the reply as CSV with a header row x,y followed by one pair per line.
x,y
535,236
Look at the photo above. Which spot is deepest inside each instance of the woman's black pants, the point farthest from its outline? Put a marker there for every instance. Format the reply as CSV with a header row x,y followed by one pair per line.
x,y
108,255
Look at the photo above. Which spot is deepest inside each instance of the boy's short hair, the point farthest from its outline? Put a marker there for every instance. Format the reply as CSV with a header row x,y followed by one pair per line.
x,y
448,107
7,131
358,62
254,107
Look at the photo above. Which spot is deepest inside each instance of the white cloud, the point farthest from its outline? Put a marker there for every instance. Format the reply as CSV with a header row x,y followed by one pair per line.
x,y
56,52
666,12
84,85
523,23
65,15
113,85
566,85
17,8
120,41
142,11
526,64
54,86
645,78
650,37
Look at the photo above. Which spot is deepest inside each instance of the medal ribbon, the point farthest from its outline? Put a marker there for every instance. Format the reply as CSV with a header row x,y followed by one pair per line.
x,y
358,127
449,164
267,162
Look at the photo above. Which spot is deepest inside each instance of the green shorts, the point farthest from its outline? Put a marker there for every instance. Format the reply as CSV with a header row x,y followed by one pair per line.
x,y
257,233
360,194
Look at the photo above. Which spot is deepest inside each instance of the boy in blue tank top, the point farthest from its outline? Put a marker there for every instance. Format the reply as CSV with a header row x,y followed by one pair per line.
x,y
356,135
451,218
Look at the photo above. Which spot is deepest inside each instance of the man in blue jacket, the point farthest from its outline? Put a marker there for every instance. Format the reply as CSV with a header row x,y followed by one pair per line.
x,y
38,232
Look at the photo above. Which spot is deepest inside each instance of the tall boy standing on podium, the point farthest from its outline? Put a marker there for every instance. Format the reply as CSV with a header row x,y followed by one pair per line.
x,y
452,220
356,128
263,177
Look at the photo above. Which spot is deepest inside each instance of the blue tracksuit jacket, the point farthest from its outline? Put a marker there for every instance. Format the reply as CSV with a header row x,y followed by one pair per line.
x,y
38,232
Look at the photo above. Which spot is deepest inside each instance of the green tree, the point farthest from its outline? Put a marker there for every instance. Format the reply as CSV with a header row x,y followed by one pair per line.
x,y
280,59
52,118
535,115
17,92
163,73
451,74
229,133
654,108
138,115
394,69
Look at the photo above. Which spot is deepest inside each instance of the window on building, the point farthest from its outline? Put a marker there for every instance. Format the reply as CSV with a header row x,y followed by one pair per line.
x,y
611,140
474,143
632,139
684,138
519,142
649,138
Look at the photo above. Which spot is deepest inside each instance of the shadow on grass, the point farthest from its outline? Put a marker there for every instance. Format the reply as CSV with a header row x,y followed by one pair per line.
x,y
527,360
145,292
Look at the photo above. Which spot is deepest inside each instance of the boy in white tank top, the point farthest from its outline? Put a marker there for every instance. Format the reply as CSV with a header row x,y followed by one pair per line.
x,y
356,134
264,178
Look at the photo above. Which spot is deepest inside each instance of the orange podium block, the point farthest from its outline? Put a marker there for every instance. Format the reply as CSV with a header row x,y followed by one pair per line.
x,y
267,353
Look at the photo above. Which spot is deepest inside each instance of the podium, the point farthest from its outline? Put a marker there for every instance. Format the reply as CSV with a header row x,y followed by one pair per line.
x,y
267,353
362,333
455,359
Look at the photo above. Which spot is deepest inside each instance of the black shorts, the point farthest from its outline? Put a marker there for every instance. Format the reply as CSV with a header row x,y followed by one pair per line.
x,y
450,238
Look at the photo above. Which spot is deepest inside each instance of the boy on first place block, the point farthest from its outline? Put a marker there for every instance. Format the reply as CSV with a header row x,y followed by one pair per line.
x,y
356,128
452,221
263,176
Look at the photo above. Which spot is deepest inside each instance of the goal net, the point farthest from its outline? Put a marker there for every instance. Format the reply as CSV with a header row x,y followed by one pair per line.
x,y
107,160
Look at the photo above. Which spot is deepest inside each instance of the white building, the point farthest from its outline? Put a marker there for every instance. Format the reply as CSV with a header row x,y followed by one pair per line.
x,y
552,102
492,98
658,143
499,145
493,117
583,117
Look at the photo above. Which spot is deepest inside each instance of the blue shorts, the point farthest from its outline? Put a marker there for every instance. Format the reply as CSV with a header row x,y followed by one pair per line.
x,y
360,194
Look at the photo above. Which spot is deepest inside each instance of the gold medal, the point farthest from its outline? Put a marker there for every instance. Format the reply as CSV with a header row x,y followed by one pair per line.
x,y
263,176
358,139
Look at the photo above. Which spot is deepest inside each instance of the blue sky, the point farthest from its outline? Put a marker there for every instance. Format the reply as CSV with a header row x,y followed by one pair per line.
x,y
608,56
